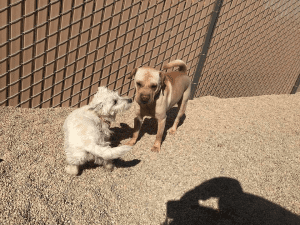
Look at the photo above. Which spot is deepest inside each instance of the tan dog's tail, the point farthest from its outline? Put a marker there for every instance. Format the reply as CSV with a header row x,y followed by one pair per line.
x,y
177,62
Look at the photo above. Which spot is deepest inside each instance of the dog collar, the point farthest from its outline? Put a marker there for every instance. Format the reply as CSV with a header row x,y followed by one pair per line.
x,y
157,95
105,121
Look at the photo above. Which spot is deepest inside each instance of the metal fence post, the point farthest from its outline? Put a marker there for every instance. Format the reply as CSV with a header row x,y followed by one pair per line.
x,y
295,88
202,56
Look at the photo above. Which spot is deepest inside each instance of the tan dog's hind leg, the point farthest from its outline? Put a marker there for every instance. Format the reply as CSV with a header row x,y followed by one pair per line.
x,y
136,130
182,107
160,132
181,111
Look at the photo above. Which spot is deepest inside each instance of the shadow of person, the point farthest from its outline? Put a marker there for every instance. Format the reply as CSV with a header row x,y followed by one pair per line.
x,y
234,206
149,125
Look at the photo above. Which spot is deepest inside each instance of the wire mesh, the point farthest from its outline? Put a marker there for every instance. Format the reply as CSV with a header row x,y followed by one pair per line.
x,y
254,50
56,53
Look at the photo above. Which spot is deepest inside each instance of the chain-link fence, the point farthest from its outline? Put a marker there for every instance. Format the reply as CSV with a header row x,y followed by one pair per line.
x,y
254,50
57,52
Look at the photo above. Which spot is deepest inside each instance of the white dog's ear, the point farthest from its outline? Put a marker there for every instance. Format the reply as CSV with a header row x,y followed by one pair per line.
x,y
97,107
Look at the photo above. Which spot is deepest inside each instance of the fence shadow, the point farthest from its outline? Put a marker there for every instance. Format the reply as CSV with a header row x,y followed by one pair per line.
x,y
234,206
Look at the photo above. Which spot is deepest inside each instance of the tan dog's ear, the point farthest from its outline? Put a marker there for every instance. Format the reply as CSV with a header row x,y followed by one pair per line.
x,y
132,74
163,80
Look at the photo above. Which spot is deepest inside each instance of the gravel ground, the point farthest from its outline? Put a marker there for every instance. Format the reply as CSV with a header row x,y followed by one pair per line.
x,y
232,161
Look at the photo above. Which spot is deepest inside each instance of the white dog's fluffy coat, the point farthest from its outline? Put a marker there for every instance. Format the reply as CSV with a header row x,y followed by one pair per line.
x,y
87,131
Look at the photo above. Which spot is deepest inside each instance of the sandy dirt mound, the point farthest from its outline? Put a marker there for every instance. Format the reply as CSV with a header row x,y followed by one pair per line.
x,y
232,161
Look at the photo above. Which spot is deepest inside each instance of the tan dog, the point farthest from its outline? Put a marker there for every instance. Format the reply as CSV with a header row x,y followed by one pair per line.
x,y
156,93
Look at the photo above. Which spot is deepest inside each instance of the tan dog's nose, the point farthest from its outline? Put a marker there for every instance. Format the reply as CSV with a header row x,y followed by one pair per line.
x,y
145,98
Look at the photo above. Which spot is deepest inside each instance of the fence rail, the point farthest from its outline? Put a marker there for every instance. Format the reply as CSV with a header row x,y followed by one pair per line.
x,y
57,52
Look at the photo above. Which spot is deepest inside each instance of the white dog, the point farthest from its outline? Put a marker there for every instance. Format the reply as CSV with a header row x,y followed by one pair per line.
x,y
87,131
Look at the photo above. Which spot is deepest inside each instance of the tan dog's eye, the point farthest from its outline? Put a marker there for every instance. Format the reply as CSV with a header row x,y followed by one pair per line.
x,y
153,86
138,84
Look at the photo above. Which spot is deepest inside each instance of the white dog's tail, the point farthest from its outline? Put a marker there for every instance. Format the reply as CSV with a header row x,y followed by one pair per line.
x,y
178,62
108,153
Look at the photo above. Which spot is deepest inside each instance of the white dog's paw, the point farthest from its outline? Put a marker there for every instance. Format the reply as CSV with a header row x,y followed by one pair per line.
x,y
120,151
98,161
108,165
72,169
127,147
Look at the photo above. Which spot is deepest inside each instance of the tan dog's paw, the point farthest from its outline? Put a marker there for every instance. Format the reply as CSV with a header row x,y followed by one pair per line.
x,y
172,131
130,142
155,148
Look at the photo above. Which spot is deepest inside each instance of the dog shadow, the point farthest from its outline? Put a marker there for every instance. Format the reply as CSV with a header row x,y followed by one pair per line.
x,y
118,163
150,125
234,206
120,133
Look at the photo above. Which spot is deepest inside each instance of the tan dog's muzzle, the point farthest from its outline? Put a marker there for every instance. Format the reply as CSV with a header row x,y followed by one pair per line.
x,y
144,98
147,96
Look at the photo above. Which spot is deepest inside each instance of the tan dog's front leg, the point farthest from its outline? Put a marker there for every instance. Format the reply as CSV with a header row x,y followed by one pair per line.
x,y
136,130
160,132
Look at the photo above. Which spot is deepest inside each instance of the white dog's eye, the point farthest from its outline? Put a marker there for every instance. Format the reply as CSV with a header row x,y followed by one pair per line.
x,y
115,102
